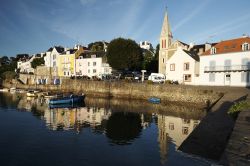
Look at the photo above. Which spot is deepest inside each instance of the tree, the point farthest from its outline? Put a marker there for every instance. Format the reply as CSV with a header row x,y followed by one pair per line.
x,y
37,62
147,58
4,60
124,54
21,56
96,46
157,52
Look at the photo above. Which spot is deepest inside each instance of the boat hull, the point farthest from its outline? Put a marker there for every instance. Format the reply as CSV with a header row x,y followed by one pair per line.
x,y
154,100
67,100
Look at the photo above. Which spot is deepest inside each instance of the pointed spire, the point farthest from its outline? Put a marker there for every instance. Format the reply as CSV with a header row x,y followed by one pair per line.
x,y
166,31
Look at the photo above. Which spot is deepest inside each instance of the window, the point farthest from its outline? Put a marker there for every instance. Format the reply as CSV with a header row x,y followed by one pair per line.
x,y
245,77
213,50
186,66
64,73
162,60
88,63
227,64
172,67
88,71
185,130
187,77
94,70
211,77
54,56
245,47
171,126
94,63
186,121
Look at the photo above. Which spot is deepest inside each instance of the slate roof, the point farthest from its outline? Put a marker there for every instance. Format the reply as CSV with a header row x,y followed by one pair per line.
x,y
88,54
193,55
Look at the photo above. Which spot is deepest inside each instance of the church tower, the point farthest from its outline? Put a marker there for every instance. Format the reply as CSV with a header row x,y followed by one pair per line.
x,y
165,42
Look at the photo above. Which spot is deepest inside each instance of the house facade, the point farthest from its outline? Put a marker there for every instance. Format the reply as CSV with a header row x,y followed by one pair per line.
x,y
226,63
25,65
92,64
183,66
50,59
66,62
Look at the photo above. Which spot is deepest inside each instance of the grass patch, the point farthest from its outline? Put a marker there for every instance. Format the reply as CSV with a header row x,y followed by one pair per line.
x,y
237,108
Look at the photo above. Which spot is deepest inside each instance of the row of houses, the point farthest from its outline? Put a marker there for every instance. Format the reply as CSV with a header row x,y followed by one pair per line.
x,y
65,62
225,63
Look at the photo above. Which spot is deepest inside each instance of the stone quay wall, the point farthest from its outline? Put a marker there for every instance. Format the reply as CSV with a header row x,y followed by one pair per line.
x,y
128,90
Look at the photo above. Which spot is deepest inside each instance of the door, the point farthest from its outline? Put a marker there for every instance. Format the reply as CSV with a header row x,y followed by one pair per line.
x,y
227,79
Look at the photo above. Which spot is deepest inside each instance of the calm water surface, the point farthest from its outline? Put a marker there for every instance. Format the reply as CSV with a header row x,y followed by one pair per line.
x,y
100,132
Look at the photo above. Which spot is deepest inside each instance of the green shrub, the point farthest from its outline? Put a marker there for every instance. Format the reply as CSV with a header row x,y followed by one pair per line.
x,y
168,82
237,108
150,82
8,75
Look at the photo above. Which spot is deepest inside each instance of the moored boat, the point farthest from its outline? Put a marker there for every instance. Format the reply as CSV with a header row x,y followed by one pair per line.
x,y
154,100
4,90
67,100
31,93
49,95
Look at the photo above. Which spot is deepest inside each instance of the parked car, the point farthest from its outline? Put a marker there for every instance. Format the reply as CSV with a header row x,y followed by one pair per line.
x,y
157,77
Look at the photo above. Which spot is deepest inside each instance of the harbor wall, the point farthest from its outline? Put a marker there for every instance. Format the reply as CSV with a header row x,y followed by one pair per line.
x,y
129,90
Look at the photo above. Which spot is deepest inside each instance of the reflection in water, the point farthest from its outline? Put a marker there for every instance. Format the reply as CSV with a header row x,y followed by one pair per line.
x,y
122,123
123,127
174,128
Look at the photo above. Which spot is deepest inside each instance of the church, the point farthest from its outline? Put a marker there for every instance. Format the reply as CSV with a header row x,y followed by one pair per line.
x,y
226,63
179,61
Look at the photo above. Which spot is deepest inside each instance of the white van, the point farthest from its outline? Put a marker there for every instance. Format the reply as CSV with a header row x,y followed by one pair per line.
x,y
157,77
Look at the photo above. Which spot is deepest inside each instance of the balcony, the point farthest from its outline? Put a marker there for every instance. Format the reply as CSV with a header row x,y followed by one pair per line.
x,y
233,68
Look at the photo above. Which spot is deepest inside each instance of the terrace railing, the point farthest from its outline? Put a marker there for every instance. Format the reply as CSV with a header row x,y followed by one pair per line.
x,y
233,68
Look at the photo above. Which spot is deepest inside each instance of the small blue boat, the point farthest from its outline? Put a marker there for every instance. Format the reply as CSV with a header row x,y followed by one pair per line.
x,y
67,100
154,100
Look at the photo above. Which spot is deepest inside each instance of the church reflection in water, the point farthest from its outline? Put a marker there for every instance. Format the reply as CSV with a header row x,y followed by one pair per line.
x,y
121,127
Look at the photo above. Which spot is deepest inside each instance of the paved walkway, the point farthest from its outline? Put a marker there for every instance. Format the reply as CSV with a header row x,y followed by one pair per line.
x,y
210,138
237,151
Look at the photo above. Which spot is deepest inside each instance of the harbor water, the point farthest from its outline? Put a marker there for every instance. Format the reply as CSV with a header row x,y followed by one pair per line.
x,y
96,132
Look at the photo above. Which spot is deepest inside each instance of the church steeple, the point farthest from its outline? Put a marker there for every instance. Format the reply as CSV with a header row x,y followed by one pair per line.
x,y
165,42
166,34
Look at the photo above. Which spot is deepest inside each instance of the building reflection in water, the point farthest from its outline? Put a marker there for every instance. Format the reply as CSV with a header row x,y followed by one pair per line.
x,y
75,118
120,127
175,130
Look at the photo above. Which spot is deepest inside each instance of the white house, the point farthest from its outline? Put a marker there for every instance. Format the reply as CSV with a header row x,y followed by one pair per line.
x,y
183,66
92,64
146,45
50,58
226,63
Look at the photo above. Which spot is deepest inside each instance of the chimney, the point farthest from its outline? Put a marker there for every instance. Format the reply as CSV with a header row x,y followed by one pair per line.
x,y
244,36
207,46
191,45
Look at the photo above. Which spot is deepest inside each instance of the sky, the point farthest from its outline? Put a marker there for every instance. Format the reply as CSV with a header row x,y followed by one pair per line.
x,y
33,26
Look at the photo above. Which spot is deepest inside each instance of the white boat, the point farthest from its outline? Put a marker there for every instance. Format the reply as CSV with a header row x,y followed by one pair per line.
x,y
31,93
4,90
20,91
49,95
12,90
